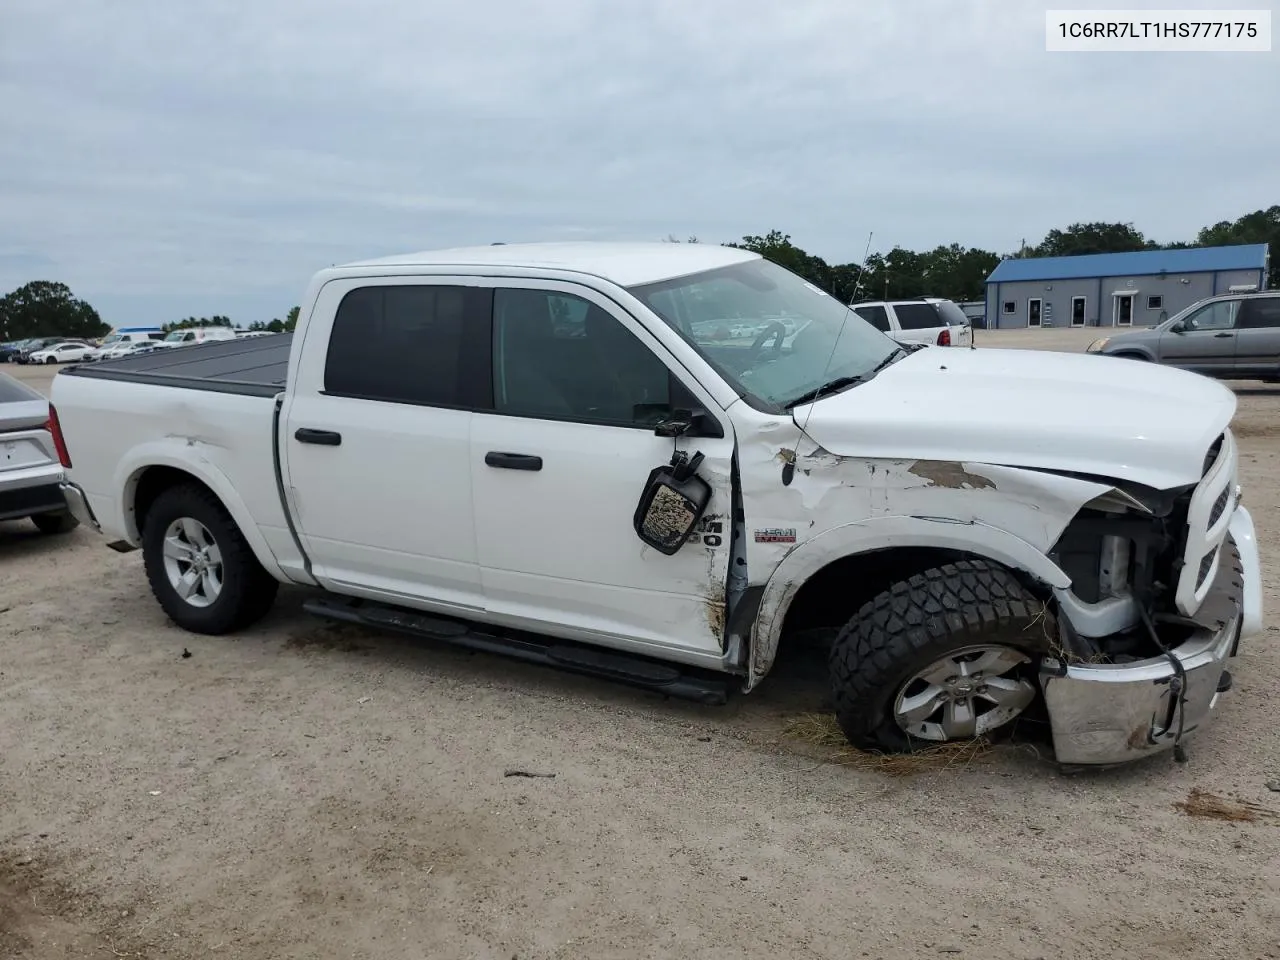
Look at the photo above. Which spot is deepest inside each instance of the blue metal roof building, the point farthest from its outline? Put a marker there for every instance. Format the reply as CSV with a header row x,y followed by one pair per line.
x,y
1118,289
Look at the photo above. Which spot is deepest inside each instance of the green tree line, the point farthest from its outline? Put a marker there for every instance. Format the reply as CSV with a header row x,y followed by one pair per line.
x,y
43,308
960,273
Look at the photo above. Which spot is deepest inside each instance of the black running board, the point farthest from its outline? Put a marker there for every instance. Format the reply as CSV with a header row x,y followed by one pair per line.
x,y
621,668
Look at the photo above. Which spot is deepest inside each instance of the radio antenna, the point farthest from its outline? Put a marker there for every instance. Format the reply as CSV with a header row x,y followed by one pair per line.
x,y
789,468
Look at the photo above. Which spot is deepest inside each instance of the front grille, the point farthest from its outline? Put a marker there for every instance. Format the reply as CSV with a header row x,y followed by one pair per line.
x,y
1219,505
1211,457
1206,565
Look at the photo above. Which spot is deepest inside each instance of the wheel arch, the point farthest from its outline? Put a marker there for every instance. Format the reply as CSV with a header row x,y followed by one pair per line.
x,y
879,551
145,475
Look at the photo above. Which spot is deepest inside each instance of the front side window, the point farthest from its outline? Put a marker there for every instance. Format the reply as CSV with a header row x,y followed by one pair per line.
x,y
791,337
1215,316
406,344
558,356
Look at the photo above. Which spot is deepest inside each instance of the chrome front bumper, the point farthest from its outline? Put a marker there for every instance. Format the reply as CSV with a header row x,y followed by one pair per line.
x,y
1109,714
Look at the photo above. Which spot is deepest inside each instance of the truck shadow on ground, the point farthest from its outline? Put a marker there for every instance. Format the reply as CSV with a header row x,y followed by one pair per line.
x,y
796,692
20,540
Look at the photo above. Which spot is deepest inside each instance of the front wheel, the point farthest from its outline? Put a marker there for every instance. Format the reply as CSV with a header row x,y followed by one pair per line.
x,y
947,655
201,569
51,360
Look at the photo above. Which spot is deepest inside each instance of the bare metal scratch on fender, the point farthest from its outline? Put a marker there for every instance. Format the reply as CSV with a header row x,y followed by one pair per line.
x,y
776,535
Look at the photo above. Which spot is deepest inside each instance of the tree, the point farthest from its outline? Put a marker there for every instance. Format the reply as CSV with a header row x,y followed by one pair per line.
x,y
291,319
777,247
215,321
1261,226
46,309
1084,238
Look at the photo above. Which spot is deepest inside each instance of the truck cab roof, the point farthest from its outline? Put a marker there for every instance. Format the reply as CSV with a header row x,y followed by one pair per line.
x,y
626,264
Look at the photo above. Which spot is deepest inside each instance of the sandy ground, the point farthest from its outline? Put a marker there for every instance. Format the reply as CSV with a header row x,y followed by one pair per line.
x,y
308,791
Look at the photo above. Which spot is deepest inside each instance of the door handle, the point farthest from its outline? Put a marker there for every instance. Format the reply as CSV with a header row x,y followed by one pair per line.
x,y
1220,336
325,438
513,461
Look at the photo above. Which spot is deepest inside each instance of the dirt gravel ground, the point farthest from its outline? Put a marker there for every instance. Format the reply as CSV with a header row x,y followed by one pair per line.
x,y
303,790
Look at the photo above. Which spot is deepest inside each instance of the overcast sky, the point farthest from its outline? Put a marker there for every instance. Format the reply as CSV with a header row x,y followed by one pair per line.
x,y
172,158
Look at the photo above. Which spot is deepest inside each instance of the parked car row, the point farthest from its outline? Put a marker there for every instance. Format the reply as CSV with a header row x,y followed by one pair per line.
x,y
121,344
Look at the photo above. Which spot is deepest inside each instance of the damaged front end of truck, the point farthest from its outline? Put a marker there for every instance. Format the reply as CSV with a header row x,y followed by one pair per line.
x,y
1163,586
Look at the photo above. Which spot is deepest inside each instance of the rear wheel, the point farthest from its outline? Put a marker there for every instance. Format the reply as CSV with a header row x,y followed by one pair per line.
x,y
200,567
949,654
59,521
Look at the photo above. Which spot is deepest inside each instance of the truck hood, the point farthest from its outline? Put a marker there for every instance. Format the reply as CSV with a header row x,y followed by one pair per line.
x,y
1071,412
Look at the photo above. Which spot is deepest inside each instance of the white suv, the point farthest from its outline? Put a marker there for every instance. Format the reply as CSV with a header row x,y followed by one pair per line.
x,y
930,320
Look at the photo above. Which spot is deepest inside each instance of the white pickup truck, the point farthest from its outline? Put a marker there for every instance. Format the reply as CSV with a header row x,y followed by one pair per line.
x,y
531,450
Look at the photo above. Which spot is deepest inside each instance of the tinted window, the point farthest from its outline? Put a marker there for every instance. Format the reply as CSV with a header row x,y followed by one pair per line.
x,y
917,316
1155,303
557,356
405,344
878,317
951,313
1260,313
1216,316
1010,306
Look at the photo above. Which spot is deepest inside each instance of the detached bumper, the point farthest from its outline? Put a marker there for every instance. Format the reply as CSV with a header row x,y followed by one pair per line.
x,y
1109,714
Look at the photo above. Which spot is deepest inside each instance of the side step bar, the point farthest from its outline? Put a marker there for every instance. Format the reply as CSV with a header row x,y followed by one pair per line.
x,y
573,658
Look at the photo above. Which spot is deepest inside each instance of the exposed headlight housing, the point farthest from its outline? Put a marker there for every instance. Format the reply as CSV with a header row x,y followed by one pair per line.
x,y
1098,344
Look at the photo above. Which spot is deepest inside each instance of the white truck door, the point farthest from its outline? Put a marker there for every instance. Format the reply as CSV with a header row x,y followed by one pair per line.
x,y
558,468
375,439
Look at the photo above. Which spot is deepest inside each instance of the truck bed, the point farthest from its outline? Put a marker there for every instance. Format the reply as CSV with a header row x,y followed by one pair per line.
x,y
254,366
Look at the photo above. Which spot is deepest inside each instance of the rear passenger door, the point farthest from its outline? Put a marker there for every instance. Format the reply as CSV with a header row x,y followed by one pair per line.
x,y
1258,337
558,466
375,438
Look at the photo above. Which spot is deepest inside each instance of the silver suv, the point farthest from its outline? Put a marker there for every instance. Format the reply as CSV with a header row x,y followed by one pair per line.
x,y
1232,337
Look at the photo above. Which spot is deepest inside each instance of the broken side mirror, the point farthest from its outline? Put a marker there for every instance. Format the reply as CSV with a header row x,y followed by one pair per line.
x,y
673,501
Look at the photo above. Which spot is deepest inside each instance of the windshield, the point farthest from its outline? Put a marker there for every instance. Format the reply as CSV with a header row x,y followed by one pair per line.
x,y
176,337
112,340
772,335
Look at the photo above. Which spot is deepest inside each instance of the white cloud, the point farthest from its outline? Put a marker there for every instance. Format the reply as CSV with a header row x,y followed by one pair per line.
x,y
158,156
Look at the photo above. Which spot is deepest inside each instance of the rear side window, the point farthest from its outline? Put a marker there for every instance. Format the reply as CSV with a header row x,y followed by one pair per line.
x,y
878,317
1263,312
950,313
917,316
419,344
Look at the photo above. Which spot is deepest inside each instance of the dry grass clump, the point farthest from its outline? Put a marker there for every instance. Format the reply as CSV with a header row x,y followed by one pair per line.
x,y
1210,806
821,730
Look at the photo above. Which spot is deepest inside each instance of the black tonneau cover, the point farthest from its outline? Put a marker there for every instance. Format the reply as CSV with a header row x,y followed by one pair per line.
x,y
251,366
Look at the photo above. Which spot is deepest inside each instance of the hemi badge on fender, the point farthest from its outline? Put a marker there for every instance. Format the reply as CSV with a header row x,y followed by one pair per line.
x,y
776,535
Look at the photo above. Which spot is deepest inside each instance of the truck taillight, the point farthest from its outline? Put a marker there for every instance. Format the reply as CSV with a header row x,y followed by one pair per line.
x,y
59,441
944,338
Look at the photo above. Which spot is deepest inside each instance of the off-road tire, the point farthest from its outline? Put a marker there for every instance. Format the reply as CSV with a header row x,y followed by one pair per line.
x,y
59,521
248,591
916,622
